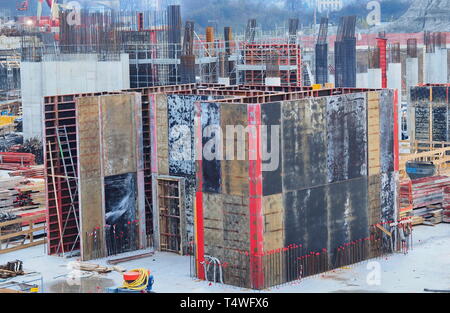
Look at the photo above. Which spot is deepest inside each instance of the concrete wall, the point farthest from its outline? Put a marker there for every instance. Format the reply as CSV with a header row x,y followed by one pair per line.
x,y
374,78
412,72
436,67
73,74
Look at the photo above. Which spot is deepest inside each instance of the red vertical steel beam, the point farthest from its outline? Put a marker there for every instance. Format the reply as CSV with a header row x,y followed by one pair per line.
x,y
382,45
198,220
140,21
396,129
255,194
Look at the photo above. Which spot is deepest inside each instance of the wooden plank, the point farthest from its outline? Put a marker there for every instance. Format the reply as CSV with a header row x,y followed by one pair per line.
x,y
23,220
384,230
23,232
234,168
373,134
24,246
91,195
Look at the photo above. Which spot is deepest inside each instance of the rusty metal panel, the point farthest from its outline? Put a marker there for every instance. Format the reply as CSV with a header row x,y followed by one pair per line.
x,y
347,136
271,118
212,181
90,169
234,174
304,144
118,129
273,211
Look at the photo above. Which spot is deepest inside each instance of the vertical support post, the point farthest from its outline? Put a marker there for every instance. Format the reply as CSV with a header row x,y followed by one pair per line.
x,y
154,168
255,194
396,130
198,212
382,46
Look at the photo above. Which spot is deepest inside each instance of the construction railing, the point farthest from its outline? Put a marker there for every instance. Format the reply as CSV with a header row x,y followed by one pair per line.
x,y
19,233
437,153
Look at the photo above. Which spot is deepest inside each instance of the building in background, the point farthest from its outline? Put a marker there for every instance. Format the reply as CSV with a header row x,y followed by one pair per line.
x,y
329,5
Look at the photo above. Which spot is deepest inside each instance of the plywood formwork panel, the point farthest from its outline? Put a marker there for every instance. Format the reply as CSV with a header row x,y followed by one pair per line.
x,y
162,134
118,127
273,211
234,166
373,133
90,170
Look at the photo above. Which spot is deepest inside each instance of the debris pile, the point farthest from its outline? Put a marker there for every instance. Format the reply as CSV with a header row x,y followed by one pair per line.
x,y
11,269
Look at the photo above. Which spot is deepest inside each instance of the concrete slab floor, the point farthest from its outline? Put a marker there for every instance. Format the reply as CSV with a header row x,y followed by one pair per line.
x,y
427,265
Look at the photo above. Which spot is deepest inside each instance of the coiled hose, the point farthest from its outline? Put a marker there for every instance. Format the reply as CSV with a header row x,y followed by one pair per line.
x,y
140,283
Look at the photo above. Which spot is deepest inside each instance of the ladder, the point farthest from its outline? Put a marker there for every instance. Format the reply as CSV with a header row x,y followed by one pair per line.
x,y
71,178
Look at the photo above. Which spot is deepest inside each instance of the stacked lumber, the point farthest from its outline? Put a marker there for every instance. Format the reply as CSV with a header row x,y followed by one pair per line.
x,y
446,206
32,172
417,220
23,159
428,216
424,191
18,193
92,267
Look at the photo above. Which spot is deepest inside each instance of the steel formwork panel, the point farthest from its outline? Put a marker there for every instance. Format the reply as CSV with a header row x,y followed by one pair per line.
x,y
60,110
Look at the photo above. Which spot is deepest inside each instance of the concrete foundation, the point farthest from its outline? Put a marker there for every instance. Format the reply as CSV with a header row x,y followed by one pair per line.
x,y
69,75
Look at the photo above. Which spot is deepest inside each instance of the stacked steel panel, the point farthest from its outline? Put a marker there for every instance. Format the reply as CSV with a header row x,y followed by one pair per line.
x,y
424,191
446,205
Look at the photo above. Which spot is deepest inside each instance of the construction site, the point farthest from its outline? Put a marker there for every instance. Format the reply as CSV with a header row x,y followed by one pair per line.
x,y
142,153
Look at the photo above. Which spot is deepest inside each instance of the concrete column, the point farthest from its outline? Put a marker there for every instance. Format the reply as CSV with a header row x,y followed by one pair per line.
x,y
412,72
433,67
374,78
362,80
443,68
